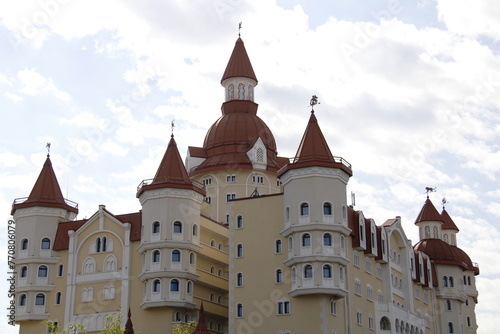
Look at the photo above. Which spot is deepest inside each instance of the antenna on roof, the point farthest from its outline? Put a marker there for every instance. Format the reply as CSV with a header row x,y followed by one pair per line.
x,y
239,29
444,201
48,149
429,190
353,199
172,126
313,102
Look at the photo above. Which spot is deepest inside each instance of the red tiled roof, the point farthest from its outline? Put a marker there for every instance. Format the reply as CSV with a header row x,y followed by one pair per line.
x,y
314,151
448,222
441,252
61,241
239,64
171,173
46,192
428,213
201,326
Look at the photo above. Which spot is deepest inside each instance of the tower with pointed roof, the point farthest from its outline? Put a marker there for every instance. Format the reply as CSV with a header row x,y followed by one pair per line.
x,y
170,233
239,154
37,218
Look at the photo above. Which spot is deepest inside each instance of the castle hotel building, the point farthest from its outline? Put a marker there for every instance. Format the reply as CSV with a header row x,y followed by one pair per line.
x,y
266,244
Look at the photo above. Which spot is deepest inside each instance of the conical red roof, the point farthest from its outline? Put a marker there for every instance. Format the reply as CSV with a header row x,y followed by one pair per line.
x,y
448,222
201,326
129,328
239,64
46,192
171,173
428,213
314,150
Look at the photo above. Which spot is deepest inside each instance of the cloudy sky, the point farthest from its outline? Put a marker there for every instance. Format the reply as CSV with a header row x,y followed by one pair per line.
x,y
409,92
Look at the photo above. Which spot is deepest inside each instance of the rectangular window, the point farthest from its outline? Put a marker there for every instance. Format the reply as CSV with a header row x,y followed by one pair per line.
x,y
371,322
230,197
356,259
379,271
359,318
357,287
231,178
333,307
369,293
368,266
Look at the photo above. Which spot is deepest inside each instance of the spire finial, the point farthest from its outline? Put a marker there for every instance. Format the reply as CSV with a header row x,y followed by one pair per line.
x,y
313,102
444,201
48,150
239,29
429,190
172,126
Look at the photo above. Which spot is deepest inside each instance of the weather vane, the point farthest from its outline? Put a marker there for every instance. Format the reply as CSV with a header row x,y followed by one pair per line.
x,y
48,149
313,102
172,126
444,201
429,190
239,29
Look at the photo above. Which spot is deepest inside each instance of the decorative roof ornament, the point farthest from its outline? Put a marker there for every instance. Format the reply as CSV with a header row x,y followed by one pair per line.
x,y
313,102
48,150
429,190
239,29
444,201
172,126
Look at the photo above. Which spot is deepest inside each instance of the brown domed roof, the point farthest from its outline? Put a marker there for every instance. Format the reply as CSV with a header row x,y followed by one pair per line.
x,y
442,253
234,133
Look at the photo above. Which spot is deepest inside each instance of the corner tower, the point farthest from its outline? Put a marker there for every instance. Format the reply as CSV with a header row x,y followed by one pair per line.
x,y
316,225
37,218
170,234
239,157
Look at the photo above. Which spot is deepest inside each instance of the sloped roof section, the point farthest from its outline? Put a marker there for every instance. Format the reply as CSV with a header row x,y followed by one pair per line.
x,y
449,224
314,150
428,213
239,64
46,192
201,326
171,173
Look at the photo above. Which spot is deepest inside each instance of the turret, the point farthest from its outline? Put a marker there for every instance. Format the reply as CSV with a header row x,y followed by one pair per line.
x,y
316,226
170,233
37,218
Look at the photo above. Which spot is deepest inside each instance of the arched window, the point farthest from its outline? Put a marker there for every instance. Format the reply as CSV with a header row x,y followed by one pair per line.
x,y
219,299
241,91
195,229
187,318
58,298
156,227
279,276
177,227
450,280
110,263
212,270
239,310
342,243
156,285
24,271
239,279
304,209
448,305
174,285
306,240
211,296
191,258
189,287
327,239
88,266
104,244
450,327
219,246
327,271
239,222
341,273
327,209
22,300
98,245
40,299
212,243
250,92
219,272
290,243
287,214
278,248
60,270
24,244
445,281
176,255
427,232
45,243
42,271
308,271
239,250
156,256
230,92
385,324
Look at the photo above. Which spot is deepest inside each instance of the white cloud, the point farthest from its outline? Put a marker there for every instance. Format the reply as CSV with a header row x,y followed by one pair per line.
x,y
13,97
35,84
9,159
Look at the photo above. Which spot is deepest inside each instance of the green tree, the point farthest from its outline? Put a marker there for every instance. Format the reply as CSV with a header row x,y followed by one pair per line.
x,y
113,324
73,328
184,328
